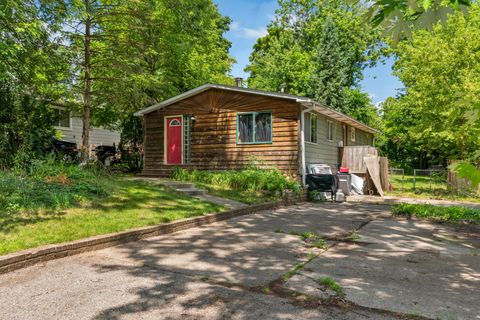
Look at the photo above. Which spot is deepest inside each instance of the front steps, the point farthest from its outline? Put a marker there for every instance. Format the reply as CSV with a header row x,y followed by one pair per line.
x,y
185,187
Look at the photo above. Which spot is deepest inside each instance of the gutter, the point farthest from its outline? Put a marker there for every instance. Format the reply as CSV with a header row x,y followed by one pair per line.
x,y
302,144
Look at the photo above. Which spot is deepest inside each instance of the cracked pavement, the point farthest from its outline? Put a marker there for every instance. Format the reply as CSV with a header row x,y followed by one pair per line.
x,y
391,269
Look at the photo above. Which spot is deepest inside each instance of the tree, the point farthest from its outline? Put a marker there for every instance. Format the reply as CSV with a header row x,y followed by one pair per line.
x,y
157,50
441,72
400,17
316,49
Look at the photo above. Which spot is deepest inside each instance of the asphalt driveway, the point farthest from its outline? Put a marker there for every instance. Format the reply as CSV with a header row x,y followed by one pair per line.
x,y
243,269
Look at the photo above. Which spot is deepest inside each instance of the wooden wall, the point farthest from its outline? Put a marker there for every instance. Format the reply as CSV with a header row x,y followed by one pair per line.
x,y
213,133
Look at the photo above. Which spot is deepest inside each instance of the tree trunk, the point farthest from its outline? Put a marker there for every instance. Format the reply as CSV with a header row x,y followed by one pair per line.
x,y
87,88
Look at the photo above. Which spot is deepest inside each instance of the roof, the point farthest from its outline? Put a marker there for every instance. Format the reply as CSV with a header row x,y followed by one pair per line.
x,y
306,102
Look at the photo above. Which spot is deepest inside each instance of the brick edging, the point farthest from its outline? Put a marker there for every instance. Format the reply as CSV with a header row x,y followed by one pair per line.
x,y
26,258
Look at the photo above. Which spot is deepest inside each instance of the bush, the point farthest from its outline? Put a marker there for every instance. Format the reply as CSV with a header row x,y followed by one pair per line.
x,y
48,184
437,213
251,178
26,125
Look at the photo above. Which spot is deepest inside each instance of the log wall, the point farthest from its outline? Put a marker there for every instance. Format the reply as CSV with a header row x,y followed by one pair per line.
x,y
213,133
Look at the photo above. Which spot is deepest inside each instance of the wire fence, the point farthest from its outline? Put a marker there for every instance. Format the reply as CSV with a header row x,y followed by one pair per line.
x,y
422,180
429,179
399,174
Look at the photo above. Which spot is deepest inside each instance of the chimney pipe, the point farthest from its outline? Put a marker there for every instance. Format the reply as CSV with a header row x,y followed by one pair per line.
x,y
239,82
282,87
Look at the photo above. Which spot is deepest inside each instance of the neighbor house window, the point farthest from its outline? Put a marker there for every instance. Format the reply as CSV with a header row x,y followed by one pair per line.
x,y
311,127
254,127
352,134
329,130
62,118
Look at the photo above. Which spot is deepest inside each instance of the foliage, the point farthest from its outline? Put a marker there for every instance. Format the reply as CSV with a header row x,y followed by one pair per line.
x,y
128,204
400,17
437,117
47,184
153,50
467,170
141,52
316,49
251,178
25,125
437,213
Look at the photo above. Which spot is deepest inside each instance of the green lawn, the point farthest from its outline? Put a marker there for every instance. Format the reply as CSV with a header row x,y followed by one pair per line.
x,y
129,204
426,188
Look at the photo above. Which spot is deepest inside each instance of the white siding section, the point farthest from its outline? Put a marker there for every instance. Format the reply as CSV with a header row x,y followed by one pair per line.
x,y
324,151
98,136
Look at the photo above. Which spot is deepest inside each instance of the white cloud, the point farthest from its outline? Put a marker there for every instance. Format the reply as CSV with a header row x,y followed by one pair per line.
x,y
254,33
248,33
234,26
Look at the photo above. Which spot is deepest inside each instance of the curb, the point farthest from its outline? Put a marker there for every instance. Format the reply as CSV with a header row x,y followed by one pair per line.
x,y
30,257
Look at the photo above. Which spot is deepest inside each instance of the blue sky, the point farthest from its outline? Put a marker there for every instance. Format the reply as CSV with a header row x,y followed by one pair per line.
x,y
249,21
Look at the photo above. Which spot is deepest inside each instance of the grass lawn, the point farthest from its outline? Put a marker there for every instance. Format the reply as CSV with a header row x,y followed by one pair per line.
x,y
437,213
426,188
128,204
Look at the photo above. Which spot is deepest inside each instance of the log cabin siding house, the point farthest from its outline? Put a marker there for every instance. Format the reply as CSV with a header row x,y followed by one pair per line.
x,y
218,127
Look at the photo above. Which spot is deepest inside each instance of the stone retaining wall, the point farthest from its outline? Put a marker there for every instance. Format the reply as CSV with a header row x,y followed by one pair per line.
x,y
30,257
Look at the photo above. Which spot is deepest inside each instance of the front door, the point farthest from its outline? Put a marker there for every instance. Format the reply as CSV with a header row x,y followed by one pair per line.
x,y
173,139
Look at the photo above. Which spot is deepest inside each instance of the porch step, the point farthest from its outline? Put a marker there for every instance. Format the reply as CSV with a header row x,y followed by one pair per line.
x,y
178,185
184,187
161,172
192,191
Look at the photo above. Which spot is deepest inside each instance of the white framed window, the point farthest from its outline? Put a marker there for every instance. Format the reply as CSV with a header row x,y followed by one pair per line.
x,y
62,118
311,127
329,130
352,134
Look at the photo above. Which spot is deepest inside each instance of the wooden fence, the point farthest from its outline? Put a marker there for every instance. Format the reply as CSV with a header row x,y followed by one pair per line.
x,y
352,157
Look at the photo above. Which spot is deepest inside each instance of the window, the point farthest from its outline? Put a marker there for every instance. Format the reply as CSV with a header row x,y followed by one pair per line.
x,y
329,130
175,123
311,127
62,118
255,127
352,134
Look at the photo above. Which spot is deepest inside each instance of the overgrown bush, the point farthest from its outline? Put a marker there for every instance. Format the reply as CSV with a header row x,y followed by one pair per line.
x,y
47,184
437,213
252,178
26,125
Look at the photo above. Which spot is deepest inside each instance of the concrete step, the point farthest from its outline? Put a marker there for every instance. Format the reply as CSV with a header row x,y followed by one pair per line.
x,y
192,191
178,184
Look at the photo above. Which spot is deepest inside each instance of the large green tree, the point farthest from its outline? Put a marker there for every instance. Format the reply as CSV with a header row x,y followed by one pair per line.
x,y
109,58
438,113
316,49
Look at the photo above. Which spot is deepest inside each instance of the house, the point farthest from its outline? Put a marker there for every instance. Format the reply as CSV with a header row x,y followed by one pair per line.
x,y
222,127
70,125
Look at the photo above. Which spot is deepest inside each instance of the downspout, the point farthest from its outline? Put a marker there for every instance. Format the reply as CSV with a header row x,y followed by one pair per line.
x,y
302,143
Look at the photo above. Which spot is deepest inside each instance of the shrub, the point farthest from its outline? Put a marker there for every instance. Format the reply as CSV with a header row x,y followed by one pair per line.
x,y
251,178
437,213
48,184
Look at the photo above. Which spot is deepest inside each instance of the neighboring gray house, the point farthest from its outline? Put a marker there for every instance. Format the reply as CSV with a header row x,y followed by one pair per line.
x,y
70,125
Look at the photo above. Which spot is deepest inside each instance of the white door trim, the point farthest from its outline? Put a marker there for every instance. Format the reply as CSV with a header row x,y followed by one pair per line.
x,y
165,118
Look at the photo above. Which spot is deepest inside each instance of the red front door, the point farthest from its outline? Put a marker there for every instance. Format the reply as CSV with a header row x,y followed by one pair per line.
x,y
174,139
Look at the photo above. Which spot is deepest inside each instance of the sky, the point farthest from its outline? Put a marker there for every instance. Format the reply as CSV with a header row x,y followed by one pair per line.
x,y
249,22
